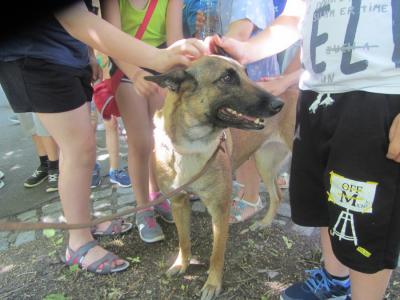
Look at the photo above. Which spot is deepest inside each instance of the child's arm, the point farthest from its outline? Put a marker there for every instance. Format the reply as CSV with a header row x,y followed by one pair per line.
x,y
101,35
110,12
174,21
240,30
282,33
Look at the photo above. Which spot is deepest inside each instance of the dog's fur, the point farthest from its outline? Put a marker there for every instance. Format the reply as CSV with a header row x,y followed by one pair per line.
x,y
187,133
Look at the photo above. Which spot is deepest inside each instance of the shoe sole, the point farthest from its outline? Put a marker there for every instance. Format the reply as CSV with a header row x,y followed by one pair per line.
x,y
154,240
27,185
120,184
49,190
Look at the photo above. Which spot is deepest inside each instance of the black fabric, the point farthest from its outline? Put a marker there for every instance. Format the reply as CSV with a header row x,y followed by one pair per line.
x,y
34,85
18,16
339,153
43,160
52,164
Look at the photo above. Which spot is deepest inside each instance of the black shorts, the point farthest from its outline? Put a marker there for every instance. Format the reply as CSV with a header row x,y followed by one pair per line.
x,y
341,178
34,85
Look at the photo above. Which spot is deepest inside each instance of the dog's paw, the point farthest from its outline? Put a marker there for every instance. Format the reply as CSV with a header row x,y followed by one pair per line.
x,y
178,268
210,291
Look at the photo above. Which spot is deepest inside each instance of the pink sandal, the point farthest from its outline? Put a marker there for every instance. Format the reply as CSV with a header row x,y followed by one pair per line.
x,y
101,266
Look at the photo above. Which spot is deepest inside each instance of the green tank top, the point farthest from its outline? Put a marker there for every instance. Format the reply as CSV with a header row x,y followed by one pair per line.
x,y
131,18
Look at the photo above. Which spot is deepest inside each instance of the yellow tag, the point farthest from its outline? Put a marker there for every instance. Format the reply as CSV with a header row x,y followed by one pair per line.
x,y
364,251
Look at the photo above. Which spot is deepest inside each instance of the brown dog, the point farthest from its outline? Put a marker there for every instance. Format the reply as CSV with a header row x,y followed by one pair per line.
x,y
211,95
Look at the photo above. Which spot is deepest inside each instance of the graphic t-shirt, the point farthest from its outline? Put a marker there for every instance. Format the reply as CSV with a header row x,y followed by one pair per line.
x,y
351,45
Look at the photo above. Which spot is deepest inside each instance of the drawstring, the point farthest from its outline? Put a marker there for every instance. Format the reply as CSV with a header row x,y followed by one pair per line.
x,y
326,102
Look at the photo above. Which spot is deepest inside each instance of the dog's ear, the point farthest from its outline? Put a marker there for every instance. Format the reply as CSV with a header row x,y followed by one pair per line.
x,y
172,80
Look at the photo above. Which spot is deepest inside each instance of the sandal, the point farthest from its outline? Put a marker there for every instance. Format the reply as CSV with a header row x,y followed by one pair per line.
x,y
283,180
101,266
242,210
117,226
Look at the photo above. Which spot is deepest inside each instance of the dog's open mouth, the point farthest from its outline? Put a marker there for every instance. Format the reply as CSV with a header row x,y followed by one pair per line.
x,y
236,119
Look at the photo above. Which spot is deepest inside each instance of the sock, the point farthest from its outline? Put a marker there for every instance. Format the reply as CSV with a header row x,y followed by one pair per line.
x,y
43,160
154,195
52,164
343,281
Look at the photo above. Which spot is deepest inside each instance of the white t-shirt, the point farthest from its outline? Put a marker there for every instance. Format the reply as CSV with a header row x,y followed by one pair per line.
x,y
351,45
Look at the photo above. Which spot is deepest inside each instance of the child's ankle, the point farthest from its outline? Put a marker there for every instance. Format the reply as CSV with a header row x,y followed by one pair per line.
x,y
154,195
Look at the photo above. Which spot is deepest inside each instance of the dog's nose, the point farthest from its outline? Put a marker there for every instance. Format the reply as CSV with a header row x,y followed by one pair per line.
x,y
276,106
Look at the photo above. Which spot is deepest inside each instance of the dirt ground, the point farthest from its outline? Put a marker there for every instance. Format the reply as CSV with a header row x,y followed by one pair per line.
x,y
259,264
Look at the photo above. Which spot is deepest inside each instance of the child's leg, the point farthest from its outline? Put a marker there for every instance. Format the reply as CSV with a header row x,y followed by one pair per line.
x,y
331,263
247,175
138,125
74,134
369,286
112,142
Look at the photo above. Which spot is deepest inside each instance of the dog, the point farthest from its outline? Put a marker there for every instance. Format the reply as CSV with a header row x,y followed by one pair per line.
x,y
213,94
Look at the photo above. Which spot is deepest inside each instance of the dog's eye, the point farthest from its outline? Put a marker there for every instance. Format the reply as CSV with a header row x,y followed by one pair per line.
x,y
228,78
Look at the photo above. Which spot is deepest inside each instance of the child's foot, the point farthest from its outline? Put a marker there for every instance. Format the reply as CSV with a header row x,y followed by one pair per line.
x,y
96,177
243,210
95,259
319,285
163,209
120,177
149,230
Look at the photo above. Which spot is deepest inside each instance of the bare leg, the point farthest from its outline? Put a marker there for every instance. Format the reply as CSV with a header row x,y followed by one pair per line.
x,y
74,134
332,264
51,147
139,129
40,149
247,175
112,142
369,286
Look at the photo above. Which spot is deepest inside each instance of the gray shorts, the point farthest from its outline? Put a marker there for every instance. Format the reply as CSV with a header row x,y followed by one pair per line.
x,y
31,124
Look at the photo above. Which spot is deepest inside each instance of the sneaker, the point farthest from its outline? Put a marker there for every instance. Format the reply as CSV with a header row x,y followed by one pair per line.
x,y
1,175
52,184
149,230
164,211
96,177
120,177
14,119
37,177
319,286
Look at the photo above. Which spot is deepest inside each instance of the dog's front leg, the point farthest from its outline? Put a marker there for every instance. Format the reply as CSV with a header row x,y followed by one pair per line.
x,y
181,211
219,211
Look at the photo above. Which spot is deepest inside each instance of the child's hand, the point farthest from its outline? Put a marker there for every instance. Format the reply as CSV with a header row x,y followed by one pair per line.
x,y
180,53
97,72
274,85
232,47
394,140
143,87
